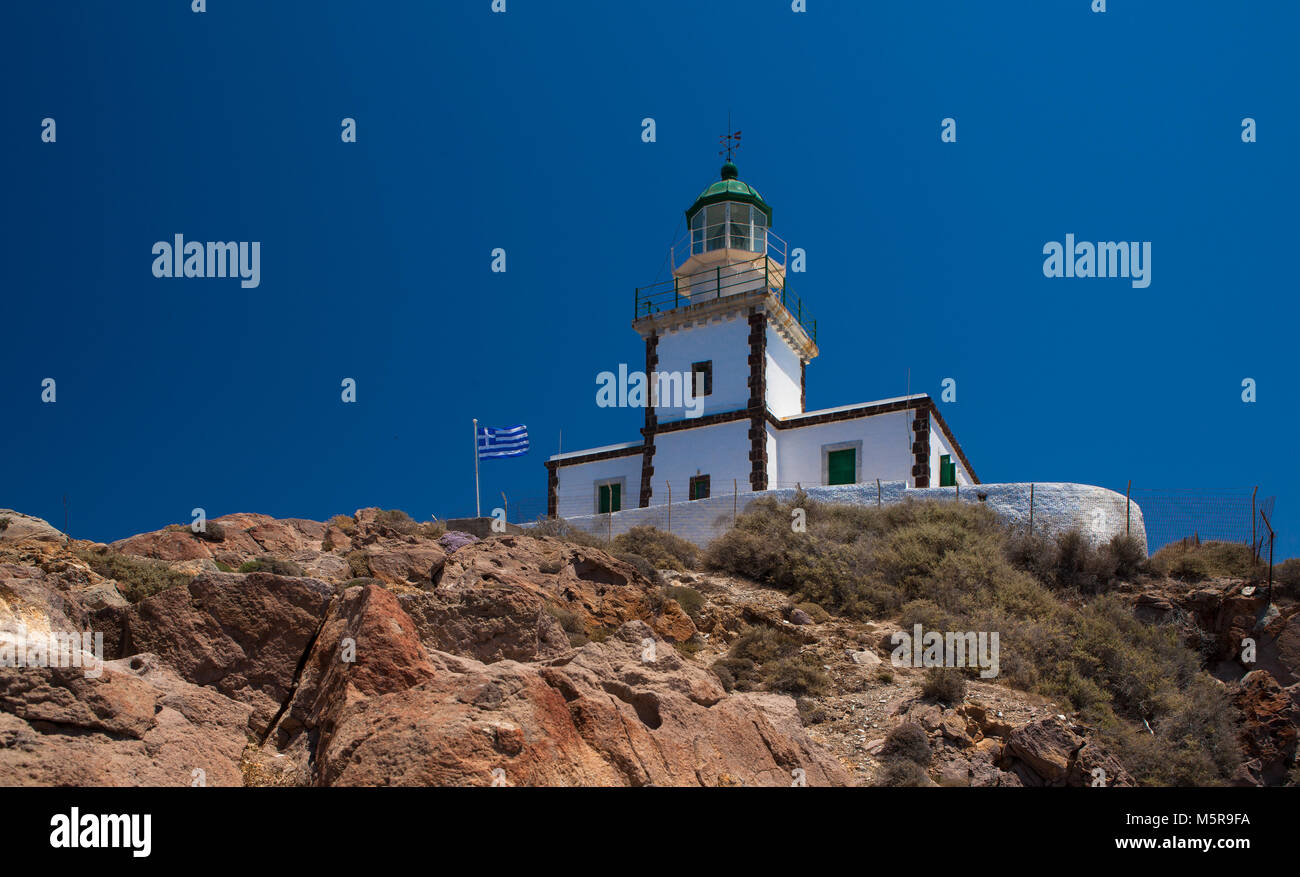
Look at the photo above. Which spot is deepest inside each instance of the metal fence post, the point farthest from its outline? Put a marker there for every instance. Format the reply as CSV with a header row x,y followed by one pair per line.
x,y
1031,509
878,500
1254,542
1128,508
735,499
670,506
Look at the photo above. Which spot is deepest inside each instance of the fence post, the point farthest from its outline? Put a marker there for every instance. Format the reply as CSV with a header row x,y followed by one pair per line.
x,y
1128,508
956,491
609,526
735,499
670,506
1031,509
1254,543
878,501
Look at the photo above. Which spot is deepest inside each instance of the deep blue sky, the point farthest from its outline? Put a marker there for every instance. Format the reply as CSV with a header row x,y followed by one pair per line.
x,y
522,131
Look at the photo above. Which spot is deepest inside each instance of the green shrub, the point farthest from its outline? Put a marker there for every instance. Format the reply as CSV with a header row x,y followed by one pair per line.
x,y
639,563
358,564
345,523
223,566
954,567
558,528
1193,561
902,773
754,661
4,523
273,565
137,577
814,611
571,622
661,548
1188,568
1286,578
1070,560
396,520
801,674
908,740
946,685
691,600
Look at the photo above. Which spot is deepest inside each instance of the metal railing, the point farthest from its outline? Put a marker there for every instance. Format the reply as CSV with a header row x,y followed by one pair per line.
x,y
722,282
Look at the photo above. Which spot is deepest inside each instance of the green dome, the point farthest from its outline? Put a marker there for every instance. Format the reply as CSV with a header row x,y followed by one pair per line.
x,y
729,188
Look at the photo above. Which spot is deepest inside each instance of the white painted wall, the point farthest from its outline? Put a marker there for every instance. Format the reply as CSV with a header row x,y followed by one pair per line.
x,y
721,452
723,340
783,392
939,446
577,490
886,448
773,456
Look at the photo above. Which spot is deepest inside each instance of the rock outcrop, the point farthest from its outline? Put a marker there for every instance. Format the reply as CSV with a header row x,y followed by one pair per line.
x,y
511,659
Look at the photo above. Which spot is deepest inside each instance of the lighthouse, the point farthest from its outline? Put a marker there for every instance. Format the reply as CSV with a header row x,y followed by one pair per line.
x,y
728,328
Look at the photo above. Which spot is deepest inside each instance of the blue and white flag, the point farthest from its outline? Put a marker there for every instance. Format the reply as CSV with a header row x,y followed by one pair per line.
x,y
506,441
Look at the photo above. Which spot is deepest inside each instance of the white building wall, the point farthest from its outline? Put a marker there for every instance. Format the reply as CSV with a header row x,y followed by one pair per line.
x,y
721,452
577,489
886,449
725,341
773,457
784,395
938,447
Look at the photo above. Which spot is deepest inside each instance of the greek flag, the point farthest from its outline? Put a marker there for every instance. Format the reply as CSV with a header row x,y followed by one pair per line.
x,y
506,441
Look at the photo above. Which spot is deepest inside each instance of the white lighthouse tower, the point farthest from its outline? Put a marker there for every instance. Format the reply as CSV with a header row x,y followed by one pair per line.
x,y
728,325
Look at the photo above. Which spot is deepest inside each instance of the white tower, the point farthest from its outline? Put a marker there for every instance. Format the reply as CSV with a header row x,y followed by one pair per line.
x,y
727,318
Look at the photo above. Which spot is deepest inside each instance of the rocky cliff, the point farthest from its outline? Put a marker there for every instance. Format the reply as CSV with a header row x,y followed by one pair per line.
x,y
372,650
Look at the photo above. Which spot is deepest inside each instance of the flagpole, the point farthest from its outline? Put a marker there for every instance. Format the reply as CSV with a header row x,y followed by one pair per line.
x,y
478,512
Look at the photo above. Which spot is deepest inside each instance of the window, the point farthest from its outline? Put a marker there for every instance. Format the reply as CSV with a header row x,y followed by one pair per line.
x,y
717,226
947,471
609,497
702,378
741,239
699,487
842,466
697,233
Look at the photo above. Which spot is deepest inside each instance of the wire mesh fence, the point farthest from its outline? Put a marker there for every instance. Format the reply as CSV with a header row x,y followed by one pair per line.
x,y
1204,515
1166,515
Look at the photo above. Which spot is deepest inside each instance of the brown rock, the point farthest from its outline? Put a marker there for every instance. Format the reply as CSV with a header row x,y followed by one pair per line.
x,y
627,711
1047,747
244,635
488,624
401,563
136,724
1270,720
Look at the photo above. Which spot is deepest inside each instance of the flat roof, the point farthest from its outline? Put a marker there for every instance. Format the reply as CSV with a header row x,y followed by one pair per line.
x,y
619,447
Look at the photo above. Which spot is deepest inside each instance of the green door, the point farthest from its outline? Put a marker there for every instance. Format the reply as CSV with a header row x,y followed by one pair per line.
x,y
841,466
947,471
611,499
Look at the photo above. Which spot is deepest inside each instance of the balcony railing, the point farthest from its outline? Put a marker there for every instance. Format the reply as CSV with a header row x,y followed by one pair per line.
x,y
756,275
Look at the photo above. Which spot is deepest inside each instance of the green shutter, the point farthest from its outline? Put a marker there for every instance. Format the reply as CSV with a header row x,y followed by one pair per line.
x,y
947,471
841,466
609,498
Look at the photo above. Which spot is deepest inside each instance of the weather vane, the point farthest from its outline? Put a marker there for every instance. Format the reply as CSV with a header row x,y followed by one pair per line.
x,y
729,142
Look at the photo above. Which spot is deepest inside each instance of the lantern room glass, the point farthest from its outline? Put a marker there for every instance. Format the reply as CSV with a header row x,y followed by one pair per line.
x,y
728,224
